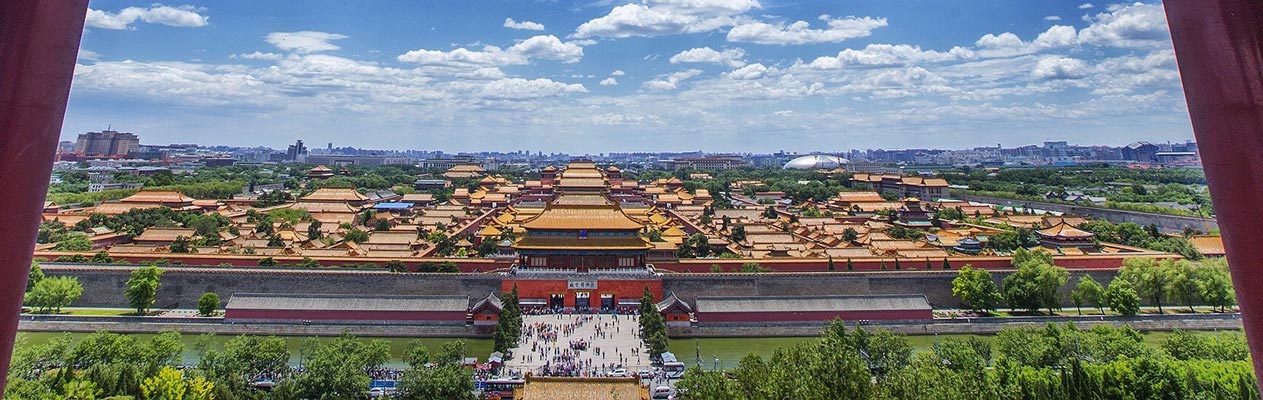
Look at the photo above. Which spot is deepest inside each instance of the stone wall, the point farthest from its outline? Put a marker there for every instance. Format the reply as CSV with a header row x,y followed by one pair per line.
x,y
936,286
1174,222
181,287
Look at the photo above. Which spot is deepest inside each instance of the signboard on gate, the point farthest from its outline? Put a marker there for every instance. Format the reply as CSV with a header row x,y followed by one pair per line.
x,y
581,284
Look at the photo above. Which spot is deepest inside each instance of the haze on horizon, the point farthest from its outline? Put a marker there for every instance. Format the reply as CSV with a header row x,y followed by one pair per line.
x,y
617,76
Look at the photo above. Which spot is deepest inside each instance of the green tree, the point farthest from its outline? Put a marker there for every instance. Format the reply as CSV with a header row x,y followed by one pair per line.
x,y
180,245
142,288
313,230
1088,291
1122,298
101,257
752,267
446,382
830,268
170,384
976,289
1215,285
509,325
267,262
487,248
738,234
34,276
1181,281
51,294
397,266
74,242
207,304
357,236
1148,280
335,370
850,235
1034,285
416,355
451,353
242,358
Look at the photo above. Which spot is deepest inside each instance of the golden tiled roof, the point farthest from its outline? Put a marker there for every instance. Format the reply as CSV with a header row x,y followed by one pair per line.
x,y
158,196
1208,245
584,182
324,207
538,242
466,168
582,389
335,194
164,234
1064,230
119,208
565,214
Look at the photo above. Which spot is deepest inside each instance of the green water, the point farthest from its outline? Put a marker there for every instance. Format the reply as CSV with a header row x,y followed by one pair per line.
x,y
480,348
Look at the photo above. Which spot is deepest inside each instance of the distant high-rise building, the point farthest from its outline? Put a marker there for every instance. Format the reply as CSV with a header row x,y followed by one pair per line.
x,y
107,143
295,151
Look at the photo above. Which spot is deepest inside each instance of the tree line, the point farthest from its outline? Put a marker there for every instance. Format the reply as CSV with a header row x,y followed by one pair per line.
x,y
1054,362
1036,285
115,366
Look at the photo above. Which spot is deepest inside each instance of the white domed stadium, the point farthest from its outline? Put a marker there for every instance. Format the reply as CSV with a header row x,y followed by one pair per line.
x,y
816,161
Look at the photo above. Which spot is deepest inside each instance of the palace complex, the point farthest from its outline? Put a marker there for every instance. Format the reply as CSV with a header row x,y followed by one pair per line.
x,y
582,236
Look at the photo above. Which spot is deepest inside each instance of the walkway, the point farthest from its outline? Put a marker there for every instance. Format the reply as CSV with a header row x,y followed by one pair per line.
x,y
582,344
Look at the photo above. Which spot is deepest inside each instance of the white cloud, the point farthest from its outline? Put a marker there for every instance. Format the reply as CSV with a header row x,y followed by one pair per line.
x,y
729,57
305,41
257,56
618,72
1052,18
888,54
1085,6
800,32
1135,25
524,25
609,82
1056,67
85,54
752,71
671,81
542,47
181,16
665,17
482,73
1008,44
517,88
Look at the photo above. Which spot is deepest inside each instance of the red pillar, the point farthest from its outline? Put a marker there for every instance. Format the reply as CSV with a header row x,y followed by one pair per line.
x,y
1219,48
39,41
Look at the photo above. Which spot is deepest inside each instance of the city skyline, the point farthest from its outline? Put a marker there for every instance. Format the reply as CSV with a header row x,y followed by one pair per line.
x,y
715,76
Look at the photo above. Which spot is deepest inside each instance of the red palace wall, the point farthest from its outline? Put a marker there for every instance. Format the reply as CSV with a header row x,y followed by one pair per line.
x,y
813,316
621,289
454,316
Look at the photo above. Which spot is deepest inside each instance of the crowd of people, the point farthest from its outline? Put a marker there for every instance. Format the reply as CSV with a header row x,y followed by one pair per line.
x,y
566,344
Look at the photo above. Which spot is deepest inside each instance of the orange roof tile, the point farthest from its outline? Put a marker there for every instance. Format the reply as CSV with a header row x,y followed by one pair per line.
x,y
158,196
1064,230
537,242
565,214
335,194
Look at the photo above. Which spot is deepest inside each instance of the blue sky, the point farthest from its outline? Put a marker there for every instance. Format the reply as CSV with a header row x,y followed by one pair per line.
x,y
649,75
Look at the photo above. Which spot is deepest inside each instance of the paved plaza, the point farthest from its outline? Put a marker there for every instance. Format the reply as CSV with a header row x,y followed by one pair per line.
x,y
579,345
